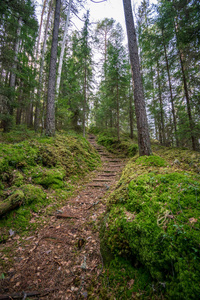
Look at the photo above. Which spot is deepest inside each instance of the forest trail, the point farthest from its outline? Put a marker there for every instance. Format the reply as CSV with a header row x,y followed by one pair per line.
x,y
62,260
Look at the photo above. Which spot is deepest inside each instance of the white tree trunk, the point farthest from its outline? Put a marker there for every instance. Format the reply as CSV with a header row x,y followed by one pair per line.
x,y
63,48
14,65
37,111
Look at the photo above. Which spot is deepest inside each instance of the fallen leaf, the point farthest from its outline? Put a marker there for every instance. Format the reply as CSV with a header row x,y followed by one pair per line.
x,y
192,220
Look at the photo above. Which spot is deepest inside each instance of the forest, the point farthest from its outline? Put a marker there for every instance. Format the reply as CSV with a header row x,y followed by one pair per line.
x,y
100,151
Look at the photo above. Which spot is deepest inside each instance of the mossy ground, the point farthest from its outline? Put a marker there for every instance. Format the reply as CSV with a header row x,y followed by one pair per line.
x,y
153,222
44,171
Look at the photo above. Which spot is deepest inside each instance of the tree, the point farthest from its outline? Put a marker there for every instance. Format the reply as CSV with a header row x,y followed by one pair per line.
x,y
50,122
63,48
140,111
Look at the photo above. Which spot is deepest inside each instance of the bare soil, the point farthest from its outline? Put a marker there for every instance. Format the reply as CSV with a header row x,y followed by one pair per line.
x,y
62,260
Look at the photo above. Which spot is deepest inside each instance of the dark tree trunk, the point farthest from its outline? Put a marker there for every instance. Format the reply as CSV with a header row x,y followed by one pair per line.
x,y
50,125
140,110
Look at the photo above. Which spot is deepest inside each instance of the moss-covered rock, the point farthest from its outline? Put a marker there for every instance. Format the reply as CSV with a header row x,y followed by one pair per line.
x,y
154,221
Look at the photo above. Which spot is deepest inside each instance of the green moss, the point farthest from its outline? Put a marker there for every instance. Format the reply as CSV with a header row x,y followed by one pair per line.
x,y
18,178
151,160
16,196
48,178
154,221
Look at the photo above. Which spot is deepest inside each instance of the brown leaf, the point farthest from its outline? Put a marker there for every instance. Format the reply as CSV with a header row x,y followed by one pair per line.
x,y
192,220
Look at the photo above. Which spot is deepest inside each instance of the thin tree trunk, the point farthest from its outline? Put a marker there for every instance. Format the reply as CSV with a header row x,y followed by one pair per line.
x,y
40,29
130,113
181,57
170,89
118,136
161,107
140,110
38,103
84,99
8,124
50,128
63,48
191,122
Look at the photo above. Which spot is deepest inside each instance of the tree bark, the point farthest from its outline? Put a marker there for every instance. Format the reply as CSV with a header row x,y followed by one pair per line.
x,y
38,103
63,48
130,113
140,110
50,125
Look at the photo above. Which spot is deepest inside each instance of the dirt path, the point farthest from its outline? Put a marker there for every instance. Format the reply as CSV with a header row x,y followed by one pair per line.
x,y
62,260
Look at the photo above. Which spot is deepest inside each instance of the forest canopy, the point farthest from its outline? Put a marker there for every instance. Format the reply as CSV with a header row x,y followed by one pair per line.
x,y
92,70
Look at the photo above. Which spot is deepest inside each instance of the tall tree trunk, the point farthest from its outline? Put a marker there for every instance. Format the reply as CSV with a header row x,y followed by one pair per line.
x,y
191,122
8,124
130,112
84,99
38,103
50,126
140,110
40,29
170,89
63,48
163,140
118,136
181,57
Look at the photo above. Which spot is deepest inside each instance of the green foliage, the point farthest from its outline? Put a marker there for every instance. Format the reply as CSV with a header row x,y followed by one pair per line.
x,y
153,220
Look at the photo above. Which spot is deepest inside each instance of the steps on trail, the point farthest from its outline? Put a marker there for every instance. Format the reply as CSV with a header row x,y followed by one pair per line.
x,y
102,180
97,185
107,175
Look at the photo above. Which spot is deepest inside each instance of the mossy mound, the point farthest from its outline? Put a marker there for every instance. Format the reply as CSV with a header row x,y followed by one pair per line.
x,y
154,221
42,163
124,148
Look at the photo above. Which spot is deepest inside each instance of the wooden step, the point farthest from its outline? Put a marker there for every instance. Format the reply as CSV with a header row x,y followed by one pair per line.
x,y
107,175
101,180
